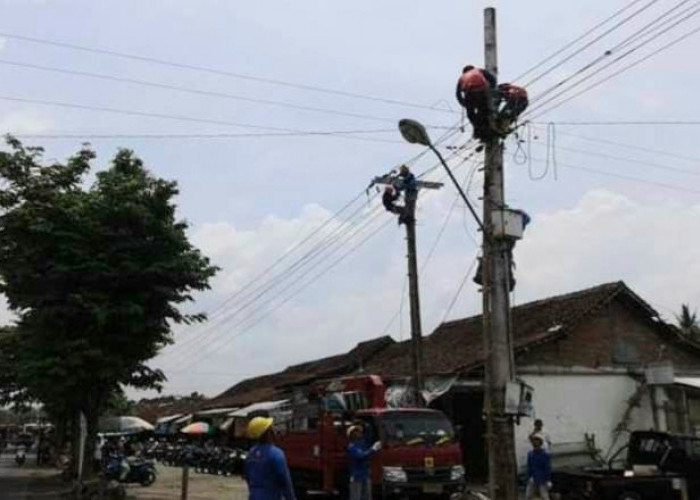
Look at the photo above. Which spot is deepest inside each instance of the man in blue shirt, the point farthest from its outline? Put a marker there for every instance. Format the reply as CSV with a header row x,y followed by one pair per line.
x,y
266,468
359,457
539,470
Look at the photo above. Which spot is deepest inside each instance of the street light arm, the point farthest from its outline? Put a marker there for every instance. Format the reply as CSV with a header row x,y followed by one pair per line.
x,y
459,188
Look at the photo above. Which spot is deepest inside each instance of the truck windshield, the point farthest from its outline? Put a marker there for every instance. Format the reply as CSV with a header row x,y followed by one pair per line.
x,y
407,428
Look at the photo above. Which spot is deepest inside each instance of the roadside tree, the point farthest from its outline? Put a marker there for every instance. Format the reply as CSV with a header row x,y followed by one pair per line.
x,y
95,275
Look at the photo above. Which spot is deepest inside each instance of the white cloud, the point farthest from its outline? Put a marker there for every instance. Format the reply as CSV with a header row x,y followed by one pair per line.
x,y
604,237
607,237
25,122
3,42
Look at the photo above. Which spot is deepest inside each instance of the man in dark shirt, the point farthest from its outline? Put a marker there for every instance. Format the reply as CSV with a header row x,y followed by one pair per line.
x,y
539,470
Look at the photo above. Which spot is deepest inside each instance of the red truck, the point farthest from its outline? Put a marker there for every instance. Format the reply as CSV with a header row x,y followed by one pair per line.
x,y
420,455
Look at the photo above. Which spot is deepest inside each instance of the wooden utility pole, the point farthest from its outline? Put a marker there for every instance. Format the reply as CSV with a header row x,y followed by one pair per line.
x,y
496,308
416,327
409,219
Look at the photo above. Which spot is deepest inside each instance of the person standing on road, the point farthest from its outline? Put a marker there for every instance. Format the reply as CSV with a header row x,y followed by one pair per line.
x,y
266,470
359,456
539,470
539,429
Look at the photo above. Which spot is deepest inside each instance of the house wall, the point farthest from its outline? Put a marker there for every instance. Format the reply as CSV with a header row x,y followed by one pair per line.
x,y
613,336
573,405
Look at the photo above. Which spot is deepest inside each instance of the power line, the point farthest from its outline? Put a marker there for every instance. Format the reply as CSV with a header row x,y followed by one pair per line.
x,y
642,32
628,160
357,229
227,341
625,123
166,116
175,136
325,246
613,75
459,290
330,239
623,177
249,326
189,90
219,72
630,146
434,245
578,39
592,42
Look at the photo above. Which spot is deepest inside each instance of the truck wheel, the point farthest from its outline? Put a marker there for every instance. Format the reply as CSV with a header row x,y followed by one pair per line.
x,y
630,495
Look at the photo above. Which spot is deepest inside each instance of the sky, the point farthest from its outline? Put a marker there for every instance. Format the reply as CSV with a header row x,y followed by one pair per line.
x,y
608,202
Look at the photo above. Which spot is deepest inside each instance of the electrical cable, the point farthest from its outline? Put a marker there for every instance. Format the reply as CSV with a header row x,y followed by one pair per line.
x,y
214,71
310,253
287,273
629,146
189,90
626,177
459,290
277,293
538,99
166,116
175,136
631,160
575,41
249,326
430,253
592,42
627,123
613,75
642,32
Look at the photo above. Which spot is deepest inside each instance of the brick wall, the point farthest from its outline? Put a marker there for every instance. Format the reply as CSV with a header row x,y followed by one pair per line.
x,y
614,336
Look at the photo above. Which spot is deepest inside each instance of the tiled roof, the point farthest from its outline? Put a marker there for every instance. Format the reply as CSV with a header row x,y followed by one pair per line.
x,y
276,386
457,346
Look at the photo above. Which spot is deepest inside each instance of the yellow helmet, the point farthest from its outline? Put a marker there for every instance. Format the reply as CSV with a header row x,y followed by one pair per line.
x,y
259,426
352,429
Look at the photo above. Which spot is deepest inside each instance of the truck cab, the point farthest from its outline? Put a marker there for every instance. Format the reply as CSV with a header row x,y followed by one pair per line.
x,y
420,455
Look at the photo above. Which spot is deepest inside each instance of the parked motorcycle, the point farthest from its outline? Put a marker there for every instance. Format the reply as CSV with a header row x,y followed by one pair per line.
x,y
141,471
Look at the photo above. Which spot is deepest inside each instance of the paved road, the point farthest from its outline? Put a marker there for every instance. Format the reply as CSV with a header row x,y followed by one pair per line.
x,y
27,482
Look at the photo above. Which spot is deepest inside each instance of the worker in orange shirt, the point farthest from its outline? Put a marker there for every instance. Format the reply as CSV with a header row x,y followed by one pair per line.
x,y
514,101
475,89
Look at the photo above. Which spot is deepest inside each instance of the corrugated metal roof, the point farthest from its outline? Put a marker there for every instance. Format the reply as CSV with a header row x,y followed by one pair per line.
x,y
690,382
262,406
168,418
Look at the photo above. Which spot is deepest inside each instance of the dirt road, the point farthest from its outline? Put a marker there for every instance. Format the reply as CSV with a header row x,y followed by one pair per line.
x,y
201,487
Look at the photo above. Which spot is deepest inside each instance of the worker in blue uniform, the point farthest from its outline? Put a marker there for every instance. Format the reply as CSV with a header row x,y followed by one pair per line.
x,y
266,470
359,455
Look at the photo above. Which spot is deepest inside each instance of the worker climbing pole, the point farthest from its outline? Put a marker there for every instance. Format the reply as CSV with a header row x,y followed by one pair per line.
x,y
397,183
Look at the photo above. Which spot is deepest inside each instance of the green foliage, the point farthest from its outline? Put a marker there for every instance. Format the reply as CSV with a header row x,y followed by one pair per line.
x,y
118,404
95,275
688,322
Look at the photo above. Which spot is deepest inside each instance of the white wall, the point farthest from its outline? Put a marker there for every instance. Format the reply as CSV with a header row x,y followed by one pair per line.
x,y
573,405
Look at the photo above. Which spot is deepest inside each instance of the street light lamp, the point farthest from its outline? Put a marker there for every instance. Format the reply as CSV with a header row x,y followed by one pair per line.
x,y
415,133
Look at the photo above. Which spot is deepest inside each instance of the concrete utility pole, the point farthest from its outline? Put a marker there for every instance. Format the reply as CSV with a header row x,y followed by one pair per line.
x,y
496,262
